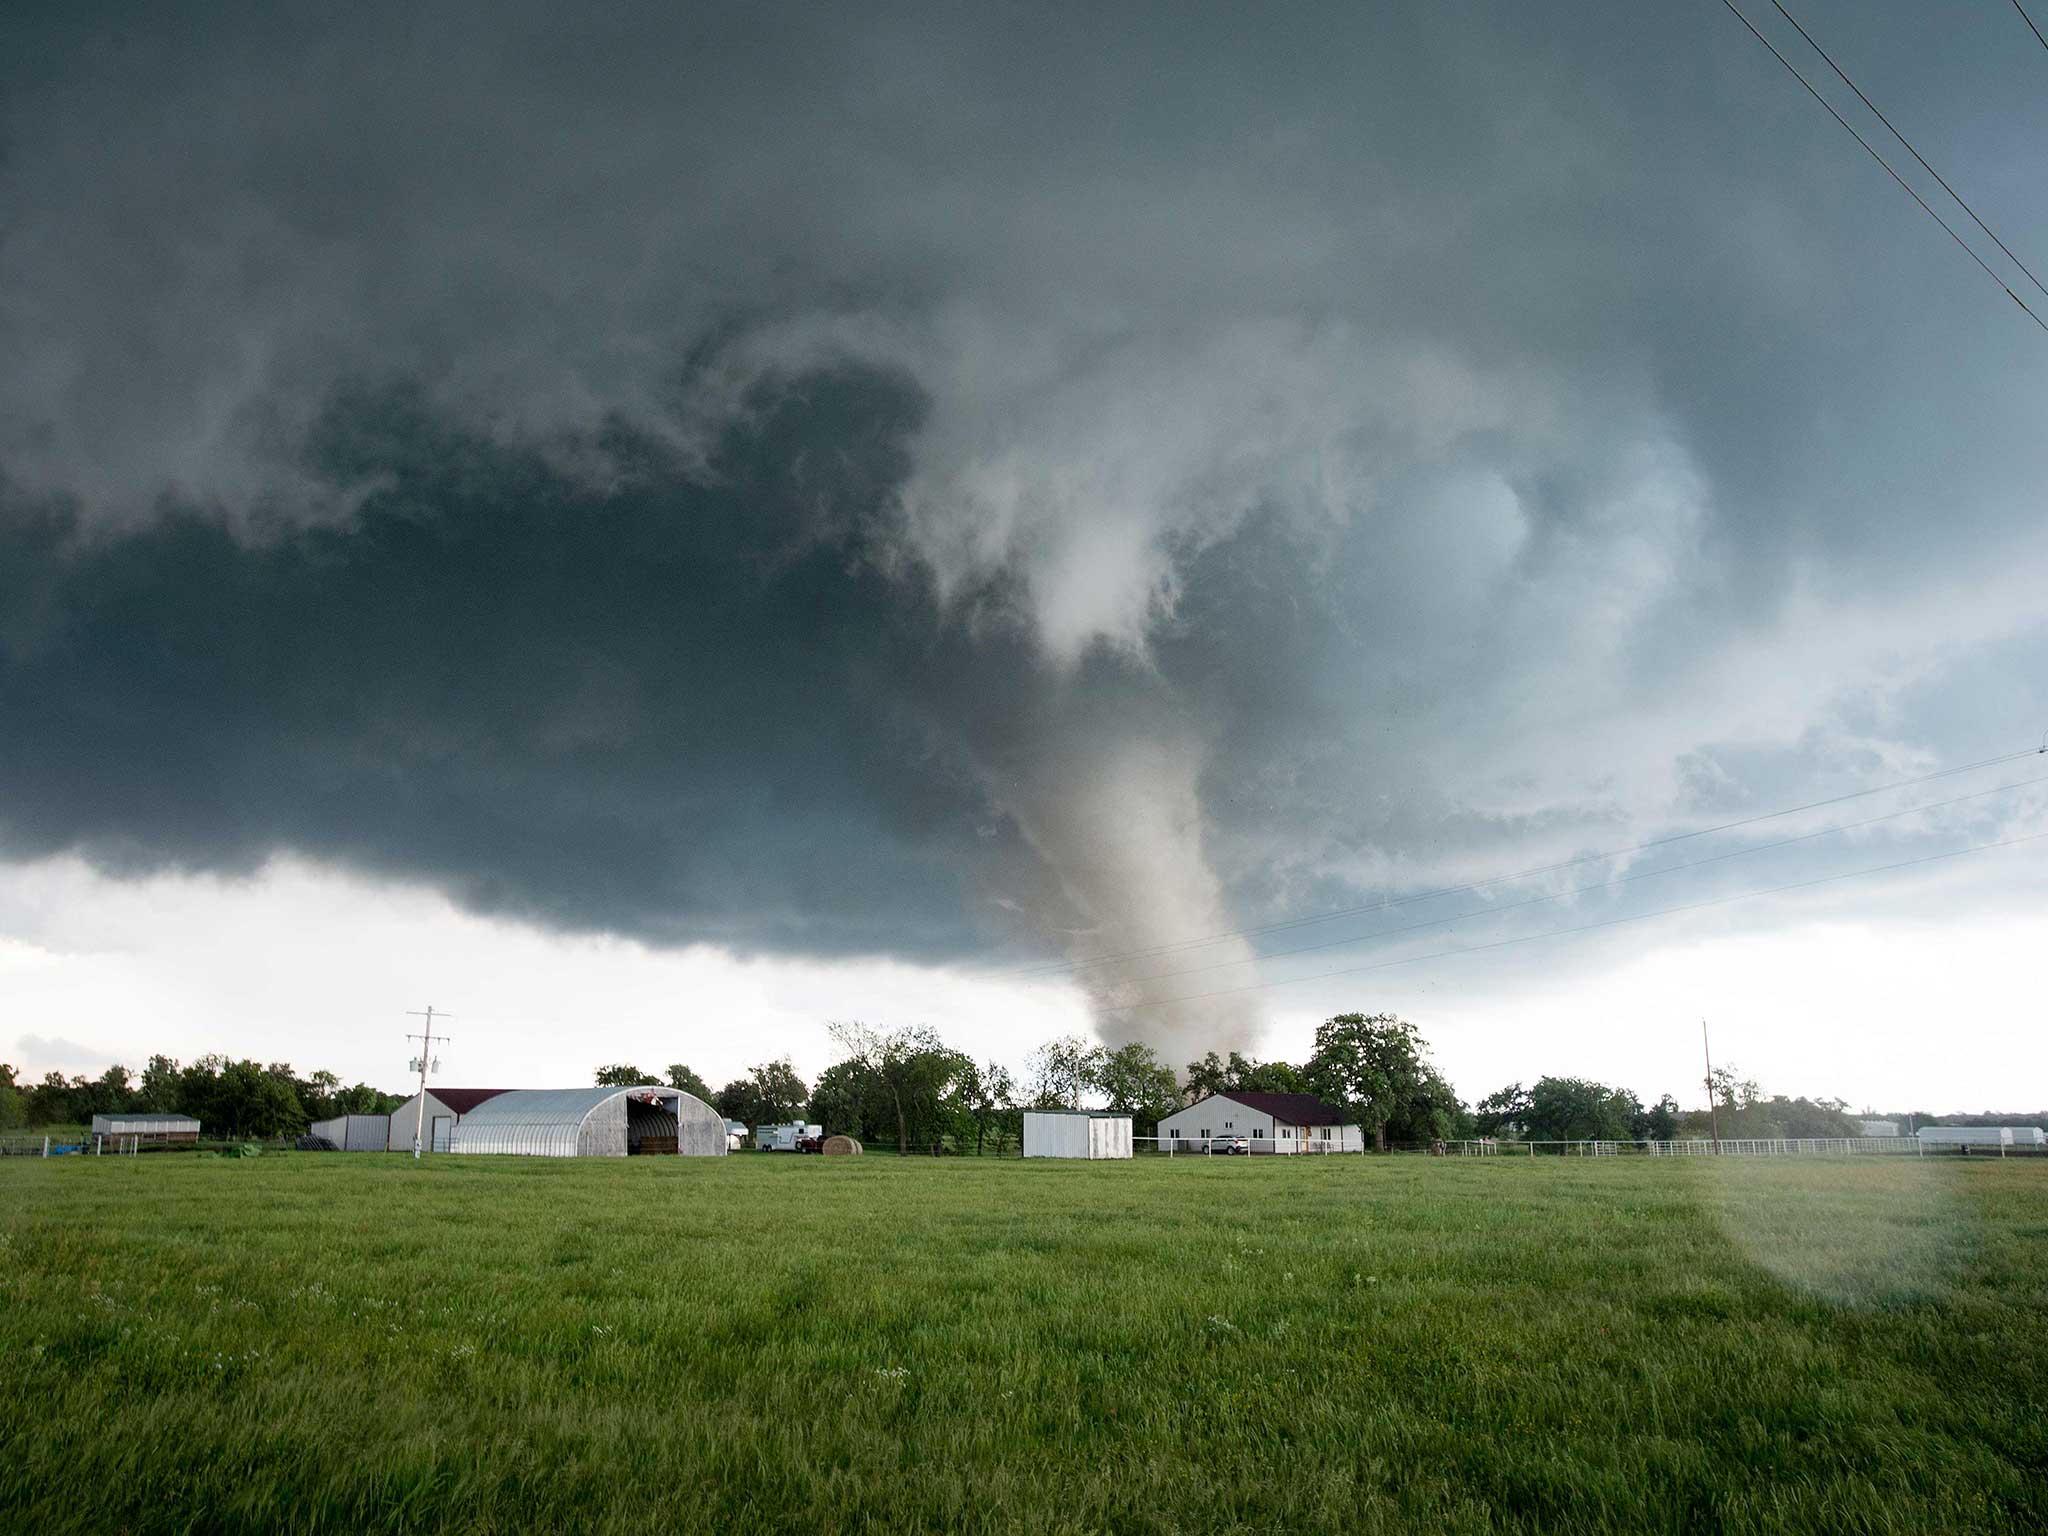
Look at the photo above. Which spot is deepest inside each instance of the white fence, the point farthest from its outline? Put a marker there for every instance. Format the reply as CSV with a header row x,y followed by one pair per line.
x,y
1236,1146
1801,1146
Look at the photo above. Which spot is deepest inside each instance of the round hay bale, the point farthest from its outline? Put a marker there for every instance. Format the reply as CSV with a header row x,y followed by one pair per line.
x,y
841,1146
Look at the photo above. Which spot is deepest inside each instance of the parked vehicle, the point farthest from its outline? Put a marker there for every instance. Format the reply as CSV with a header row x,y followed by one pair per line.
x,y
1227,1146
810,1144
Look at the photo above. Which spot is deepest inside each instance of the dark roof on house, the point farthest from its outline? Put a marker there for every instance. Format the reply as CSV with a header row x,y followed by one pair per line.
x,y
463,1100
1287,1108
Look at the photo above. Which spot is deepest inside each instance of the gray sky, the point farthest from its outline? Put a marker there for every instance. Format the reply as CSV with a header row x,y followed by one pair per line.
x,y
654,533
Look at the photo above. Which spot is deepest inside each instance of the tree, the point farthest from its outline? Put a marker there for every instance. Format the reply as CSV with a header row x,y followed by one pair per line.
x,y
620,1075
770,1094
317,1092
910,1069
1137,1083
1732,1092
13,1112
1579,1109
1504,1113
844,1101
988,1093
158,1089
1659,1122
1266,1076
243,1098
1212,1074
779,1091
362,1099
1372,1065
1062,1070
1426,1108
680,1076
1205,1077
737,1100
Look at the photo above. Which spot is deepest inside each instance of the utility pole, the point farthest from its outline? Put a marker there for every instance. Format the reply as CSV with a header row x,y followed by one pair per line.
x,y
1713,1120
426,1063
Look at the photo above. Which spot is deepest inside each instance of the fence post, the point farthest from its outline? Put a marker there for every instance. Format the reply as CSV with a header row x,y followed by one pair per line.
x,y
46,1146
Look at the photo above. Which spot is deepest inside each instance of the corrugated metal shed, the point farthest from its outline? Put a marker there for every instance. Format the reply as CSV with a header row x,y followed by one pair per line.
x,y
588,1122
355,1133
1076,1133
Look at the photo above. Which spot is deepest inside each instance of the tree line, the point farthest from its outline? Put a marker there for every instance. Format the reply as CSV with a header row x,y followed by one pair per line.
x,y
908,1088
237,1098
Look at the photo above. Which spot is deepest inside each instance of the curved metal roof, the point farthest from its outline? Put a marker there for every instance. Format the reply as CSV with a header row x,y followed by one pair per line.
x,y
549,1122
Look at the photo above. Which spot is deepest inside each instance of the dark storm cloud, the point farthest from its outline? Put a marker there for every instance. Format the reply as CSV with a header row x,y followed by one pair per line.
x,y
677,709
901,480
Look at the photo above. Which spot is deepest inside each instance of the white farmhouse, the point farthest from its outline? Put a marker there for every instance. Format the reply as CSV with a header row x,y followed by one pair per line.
x,y
1268,1122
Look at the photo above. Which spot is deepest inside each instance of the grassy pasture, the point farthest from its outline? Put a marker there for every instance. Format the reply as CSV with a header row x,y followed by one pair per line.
x,y
351,1343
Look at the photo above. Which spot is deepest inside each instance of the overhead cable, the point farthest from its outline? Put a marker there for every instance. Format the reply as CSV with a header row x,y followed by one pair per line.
x,y
1930,170
1814,92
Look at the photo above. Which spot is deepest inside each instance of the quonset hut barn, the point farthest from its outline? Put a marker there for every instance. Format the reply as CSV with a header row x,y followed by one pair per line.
x,y
592,1122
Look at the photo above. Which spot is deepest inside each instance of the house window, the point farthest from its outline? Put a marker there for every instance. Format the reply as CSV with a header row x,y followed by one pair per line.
x,y
1227,1124
1205,1133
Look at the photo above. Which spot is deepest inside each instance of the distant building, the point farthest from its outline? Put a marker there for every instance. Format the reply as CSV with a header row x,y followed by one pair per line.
x,y
146,1126
357,1133
1877,1127
735,1133
591,1122
1983,1136
1268,1122
1087,1133
444,1108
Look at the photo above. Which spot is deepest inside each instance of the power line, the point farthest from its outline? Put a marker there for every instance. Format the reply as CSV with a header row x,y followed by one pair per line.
x,y
1812,91
1057,967
1930,170
1561,933
1582,890
2043,41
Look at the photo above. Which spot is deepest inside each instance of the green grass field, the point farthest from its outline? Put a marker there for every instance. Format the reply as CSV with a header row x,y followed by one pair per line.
x,y
331,1343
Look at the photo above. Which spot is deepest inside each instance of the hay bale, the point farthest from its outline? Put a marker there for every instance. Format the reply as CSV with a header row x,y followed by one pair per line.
x,y
841,1146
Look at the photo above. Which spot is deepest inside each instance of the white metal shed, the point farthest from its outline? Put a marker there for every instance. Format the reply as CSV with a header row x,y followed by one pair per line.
x,y
147,1124
355,1133
1085,1133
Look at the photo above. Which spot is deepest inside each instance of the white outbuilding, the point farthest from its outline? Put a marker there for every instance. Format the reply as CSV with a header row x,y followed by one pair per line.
x,y
146,1125
1264,1122
1076,1133
2000,1136
435,1120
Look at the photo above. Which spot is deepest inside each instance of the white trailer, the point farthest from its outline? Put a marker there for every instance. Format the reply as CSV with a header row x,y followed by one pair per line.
x,y
783,1138
1966,1135
1084,1133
